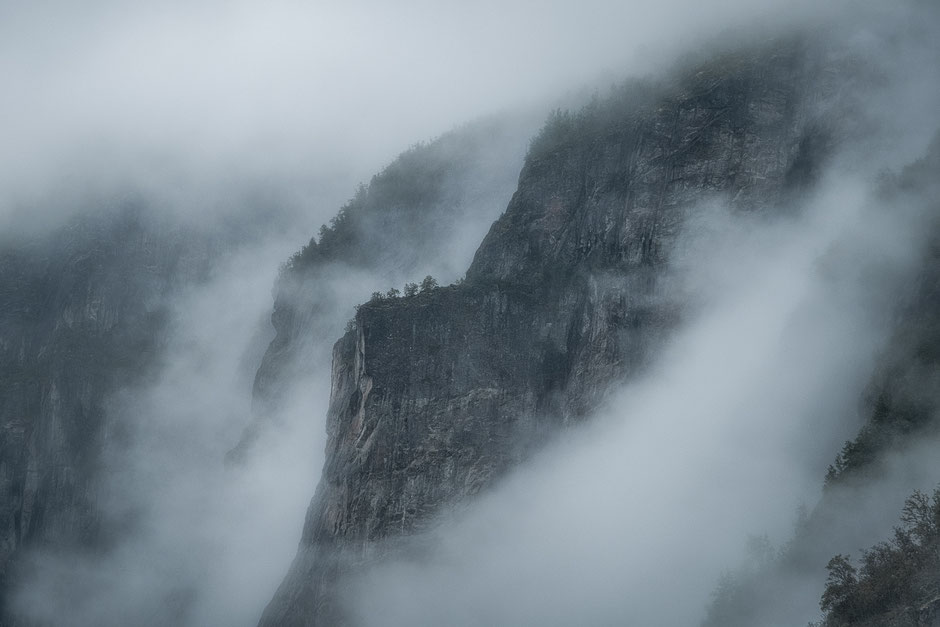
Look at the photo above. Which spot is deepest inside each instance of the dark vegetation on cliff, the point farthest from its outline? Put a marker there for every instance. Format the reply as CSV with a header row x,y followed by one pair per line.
x,y
411,210
903,398
901,406
897,582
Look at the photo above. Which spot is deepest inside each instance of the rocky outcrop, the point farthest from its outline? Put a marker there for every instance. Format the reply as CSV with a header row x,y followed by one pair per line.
x,y
435,396
86,308
411,220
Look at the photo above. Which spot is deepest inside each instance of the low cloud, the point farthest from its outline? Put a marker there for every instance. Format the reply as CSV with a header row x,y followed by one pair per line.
x,y
195,99
212,111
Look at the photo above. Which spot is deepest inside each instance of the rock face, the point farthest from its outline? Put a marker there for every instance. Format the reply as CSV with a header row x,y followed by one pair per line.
x,y
85,310
81,315
411,220
437,395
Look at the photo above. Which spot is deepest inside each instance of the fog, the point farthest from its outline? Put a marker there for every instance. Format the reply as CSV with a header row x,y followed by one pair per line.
x,y
187,526
192,99
239,114
633,520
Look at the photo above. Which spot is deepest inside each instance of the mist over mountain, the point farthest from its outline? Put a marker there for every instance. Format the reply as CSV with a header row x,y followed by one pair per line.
x,y
638,327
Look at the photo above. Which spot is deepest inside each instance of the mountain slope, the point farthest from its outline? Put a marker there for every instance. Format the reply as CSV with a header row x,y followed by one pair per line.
x,y
435,396
412,219
82,314
875,470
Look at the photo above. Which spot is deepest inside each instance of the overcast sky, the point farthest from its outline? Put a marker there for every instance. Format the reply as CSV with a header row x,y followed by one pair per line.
x,y
312,97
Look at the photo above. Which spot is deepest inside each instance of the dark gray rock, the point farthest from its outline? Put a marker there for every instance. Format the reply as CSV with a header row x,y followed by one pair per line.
x,y
410,220
82,314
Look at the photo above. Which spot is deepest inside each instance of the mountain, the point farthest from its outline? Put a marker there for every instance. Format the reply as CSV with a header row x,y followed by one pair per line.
x,y
82,315
526,295
437,395
92,315
414,218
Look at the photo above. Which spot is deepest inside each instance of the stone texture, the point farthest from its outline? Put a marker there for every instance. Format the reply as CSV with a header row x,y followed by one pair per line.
x,y
404,224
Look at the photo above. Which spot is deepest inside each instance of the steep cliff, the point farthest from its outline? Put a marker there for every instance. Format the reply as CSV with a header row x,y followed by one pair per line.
x,y
435,396
82,314
412,219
